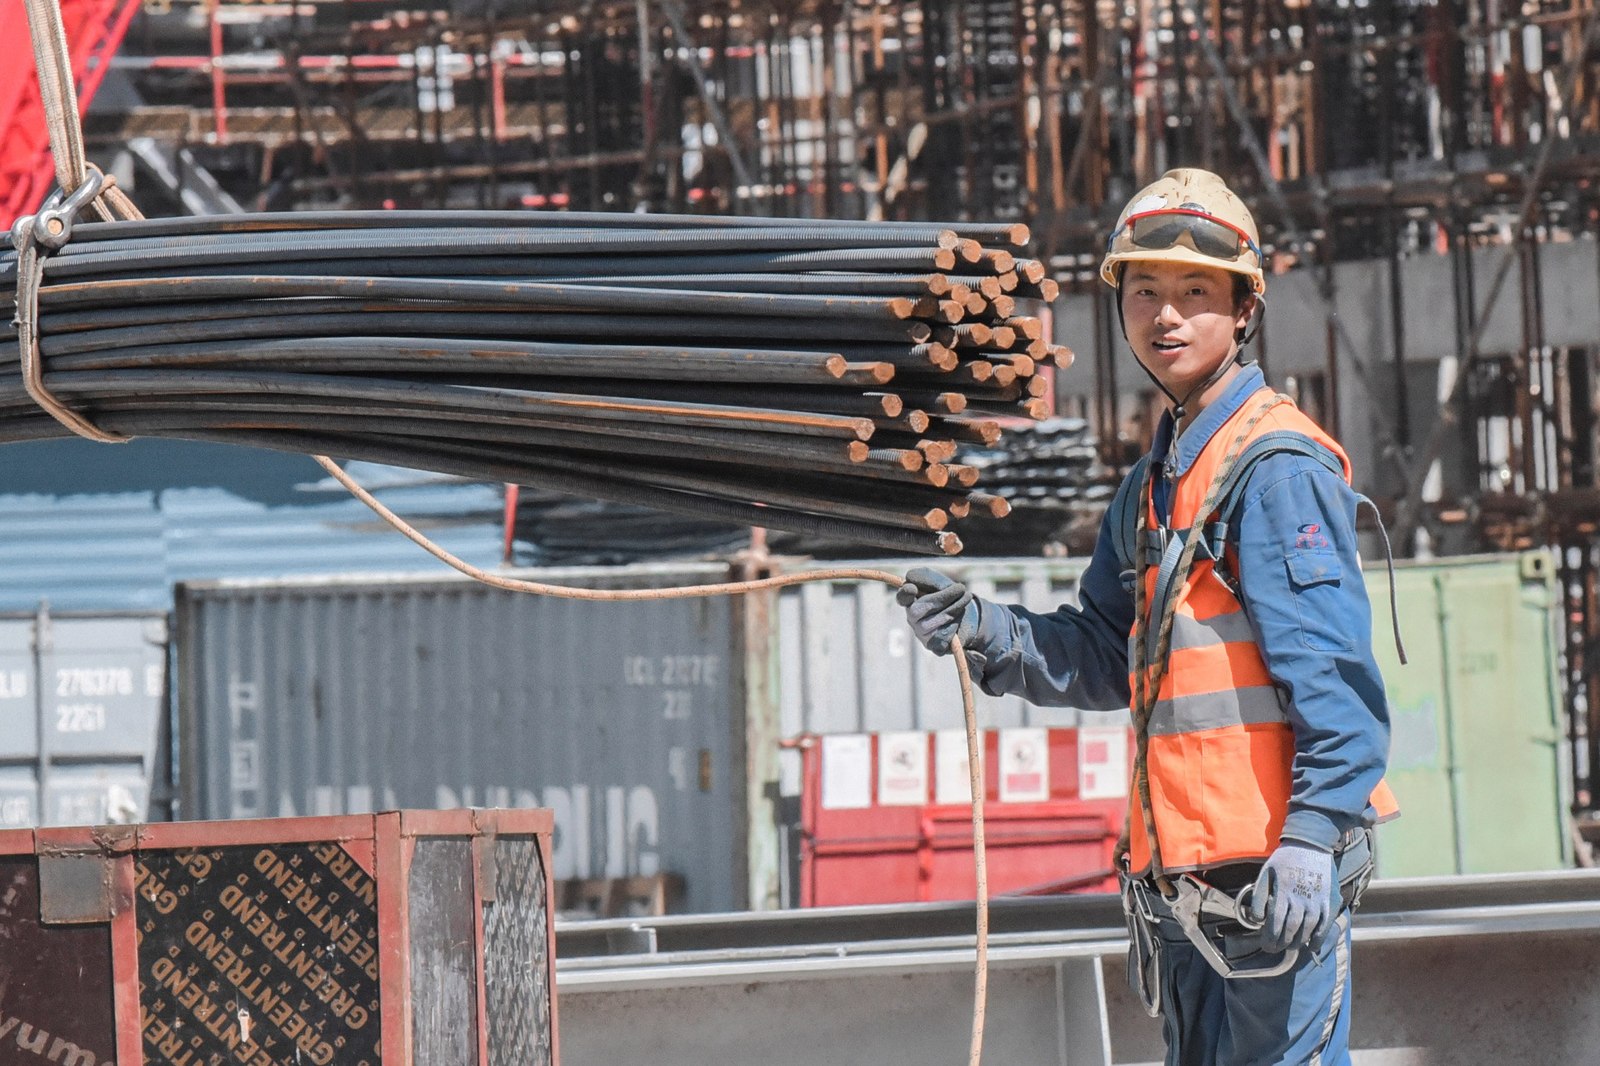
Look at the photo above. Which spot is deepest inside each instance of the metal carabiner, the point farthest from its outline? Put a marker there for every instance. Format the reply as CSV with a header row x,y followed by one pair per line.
x,y
52,226
1195,899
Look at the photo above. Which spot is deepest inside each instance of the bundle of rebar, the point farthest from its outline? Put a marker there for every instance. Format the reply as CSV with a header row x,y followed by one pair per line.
x,y
811,376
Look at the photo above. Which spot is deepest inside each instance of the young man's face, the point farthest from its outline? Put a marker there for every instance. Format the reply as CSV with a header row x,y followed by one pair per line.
x,y
1180,319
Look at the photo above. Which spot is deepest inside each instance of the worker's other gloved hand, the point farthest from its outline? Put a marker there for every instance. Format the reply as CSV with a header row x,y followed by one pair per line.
x,y
1292,899
939,608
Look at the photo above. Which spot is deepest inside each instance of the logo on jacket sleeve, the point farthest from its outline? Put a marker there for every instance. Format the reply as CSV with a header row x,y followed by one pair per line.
x,y
1310,535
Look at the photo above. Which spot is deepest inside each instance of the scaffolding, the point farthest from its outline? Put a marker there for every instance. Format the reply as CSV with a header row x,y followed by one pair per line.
x,y
1381,143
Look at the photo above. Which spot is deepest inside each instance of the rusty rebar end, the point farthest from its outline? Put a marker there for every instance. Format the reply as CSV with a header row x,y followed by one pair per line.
x,y
972,252
997,506
835,366
975,303
951,311
1008,281
990,287
948,543
965,476
892,404
956,291
935,519
1049,289
944,259
981,370
1026,325
1004,376
948,239
953,402
918,332
858,450
1033,270
1001,261
1062,356
917,420
937,285
905,307
959,508
1038,386
1004,306
1023,366
1003,337
878,373
936,475
1019,235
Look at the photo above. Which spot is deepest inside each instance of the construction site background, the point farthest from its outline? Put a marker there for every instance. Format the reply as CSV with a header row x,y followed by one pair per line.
x,y
1424,173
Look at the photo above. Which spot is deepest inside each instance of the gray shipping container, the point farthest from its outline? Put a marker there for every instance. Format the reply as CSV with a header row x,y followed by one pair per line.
x,y
347,696
83,710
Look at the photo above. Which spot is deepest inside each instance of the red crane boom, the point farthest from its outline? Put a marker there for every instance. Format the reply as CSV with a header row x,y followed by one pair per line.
x,y
95,29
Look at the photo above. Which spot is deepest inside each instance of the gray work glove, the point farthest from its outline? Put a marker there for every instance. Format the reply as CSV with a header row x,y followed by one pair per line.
x,y
1292,899
939,609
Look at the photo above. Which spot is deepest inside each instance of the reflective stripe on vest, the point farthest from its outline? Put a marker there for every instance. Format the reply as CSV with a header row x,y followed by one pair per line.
x,y
1220,748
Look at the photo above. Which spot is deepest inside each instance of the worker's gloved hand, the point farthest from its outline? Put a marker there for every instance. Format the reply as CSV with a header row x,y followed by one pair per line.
x,y
1292,899
939,608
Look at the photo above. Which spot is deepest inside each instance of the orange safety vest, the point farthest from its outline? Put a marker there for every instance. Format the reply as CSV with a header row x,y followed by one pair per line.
x,y
1219,747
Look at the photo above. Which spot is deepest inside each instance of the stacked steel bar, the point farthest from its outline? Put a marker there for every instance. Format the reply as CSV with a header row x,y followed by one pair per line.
x,y
811,376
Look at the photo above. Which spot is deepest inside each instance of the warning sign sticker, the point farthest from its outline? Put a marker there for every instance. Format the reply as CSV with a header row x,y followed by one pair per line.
x,y
257,955
902,769
1102,762
1024,765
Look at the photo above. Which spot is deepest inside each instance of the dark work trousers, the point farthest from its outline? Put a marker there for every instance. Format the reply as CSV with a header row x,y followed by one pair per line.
x,y
1300,1017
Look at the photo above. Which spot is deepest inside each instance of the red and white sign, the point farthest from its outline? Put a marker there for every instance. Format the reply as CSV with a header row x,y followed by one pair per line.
x,y
1102,762
1024,765
902,769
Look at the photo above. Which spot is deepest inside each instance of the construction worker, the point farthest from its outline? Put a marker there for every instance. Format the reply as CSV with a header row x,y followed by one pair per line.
x,y
1225,604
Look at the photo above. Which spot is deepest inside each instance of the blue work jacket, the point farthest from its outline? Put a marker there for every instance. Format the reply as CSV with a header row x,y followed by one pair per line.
x,y
1316,640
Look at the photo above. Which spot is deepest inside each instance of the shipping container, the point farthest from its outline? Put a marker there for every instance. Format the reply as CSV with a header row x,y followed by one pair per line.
x,y
333,696
654,730
83,717
1477,755
411,938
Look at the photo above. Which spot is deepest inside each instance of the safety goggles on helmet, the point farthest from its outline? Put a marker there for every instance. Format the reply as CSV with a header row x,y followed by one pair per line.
x,y
1162,228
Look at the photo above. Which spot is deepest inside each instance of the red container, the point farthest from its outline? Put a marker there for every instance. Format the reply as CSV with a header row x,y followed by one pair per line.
x,y
408,938
886,817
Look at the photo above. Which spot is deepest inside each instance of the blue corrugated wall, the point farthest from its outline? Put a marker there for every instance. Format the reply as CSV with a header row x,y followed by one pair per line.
x,y
110,527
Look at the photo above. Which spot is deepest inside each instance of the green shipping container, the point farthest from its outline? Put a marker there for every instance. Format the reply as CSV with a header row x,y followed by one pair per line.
x,y
1476,759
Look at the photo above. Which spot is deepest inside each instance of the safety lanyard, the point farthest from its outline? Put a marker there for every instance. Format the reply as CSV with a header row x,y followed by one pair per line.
x,y
1148,672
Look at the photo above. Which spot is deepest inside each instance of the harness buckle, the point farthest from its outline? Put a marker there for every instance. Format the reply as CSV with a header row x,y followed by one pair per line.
x,y
1196,900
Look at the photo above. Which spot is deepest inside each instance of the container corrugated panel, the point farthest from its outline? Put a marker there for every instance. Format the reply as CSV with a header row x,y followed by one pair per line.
x,y
125,551
1476,758
83,705
334,696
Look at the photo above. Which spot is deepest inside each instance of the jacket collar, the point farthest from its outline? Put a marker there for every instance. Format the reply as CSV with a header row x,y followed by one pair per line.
x,y
1205,425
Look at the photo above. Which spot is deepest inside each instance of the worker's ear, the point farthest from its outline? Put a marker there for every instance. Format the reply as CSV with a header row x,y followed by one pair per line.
x,y
1247,322
1247,310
